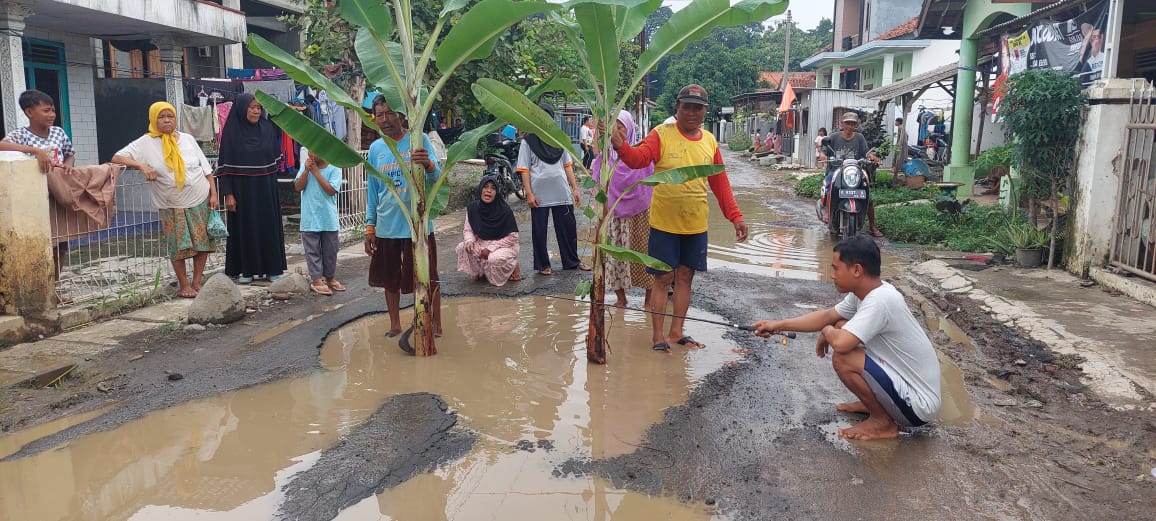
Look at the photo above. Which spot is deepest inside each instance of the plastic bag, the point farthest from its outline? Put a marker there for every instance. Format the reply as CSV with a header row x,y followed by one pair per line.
x,y
217,228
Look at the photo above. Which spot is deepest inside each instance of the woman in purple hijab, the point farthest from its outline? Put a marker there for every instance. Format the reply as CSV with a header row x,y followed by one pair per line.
x,y
630,222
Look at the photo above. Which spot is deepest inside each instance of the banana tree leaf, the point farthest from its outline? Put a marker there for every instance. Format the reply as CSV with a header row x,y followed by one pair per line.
x,y
371,14
632,19
509,104
451,6
303,73
552,84
693,22
467,145
473,36
629,255
601,42
440,200
681,175
309,133
373,54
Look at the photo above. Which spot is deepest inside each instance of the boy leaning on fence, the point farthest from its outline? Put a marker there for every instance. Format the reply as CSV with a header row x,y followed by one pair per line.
x,y
318,181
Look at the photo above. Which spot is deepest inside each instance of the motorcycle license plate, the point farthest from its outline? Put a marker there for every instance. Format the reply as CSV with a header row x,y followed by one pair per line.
x,y
852,194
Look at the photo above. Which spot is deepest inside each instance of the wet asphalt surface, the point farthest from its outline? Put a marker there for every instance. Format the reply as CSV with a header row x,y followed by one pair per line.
x,y
755,440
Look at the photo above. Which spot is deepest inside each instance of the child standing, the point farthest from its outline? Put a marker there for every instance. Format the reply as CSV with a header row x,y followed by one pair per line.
x,y
318,181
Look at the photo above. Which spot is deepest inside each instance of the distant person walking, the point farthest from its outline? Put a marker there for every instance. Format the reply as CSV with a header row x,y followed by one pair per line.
x,y
679,212
180,182
247,176
551,189
586,140
630,224
318,181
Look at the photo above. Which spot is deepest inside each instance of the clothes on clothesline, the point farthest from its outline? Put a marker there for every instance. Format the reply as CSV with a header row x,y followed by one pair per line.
x,y
283,90
199,122
222,115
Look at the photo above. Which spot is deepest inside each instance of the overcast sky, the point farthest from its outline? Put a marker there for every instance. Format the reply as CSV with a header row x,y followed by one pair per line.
x,y
806,12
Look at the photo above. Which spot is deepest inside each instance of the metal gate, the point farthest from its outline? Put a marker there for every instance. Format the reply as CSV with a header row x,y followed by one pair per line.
x,y
1134,239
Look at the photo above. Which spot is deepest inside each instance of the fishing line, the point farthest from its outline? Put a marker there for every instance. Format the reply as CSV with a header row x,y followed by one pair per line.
x,y
788,334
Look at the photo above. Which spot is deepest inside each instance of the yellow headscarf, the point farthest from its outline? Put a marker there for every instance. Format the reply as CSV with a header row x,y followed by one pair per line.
x,y
172,152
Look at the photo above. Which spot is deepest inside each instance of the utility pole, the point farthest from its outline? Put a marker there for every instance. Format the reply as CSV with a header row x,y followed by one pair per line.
x,y
786,54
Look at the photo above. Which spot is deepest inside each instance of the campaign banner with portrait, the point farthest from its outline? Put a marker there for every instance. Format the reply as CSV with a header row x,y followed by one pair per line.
x,y
1075,45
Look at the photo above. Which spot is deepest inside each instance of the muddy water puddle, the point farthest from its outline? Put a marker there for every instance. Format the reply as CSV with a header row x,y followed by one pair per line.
x,y
773,250
514,371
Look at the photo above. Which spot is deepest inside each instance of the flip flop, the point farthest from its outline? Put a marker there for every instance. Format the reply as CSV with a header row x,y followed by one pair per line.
x,y
688,340
391,334
546,271
661,346
321,289
584,267
336,285
876,233
244,280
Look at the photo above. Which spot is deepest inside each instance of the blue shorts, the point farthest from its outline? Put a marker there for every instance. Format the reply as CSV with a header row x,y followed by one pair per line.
x,y
881,384
677,250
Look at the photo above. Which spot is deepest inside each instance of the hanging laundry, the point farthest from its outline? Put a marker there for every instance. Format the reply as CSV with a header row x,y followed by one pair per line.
x,y
241,74
271,74
282,90
336,117
198,121
222,115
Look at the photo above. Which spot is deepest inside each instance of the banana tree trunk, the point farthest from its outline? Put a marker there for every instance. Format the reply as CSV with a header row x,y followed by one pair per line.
x,y
424,297
596,337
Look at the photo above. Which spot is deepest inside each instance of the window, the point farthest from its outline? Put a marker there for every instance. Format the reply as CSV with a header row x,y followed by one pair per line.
x,y
899,67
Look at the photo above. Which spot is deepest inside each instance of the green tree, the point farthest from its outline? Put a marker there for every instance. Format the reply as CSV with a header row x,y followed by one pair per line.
x,y
725,63
597,32
1041,111
400,62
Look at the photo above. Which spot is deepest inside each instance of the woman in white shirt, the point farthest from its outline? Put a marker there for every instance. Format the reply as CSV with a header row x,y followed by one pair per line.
x,y
182,190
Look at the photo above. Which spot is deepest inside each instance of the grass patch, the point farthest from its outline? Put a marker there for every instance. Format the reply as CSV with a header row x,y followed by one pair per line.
x,y
809,187
969,230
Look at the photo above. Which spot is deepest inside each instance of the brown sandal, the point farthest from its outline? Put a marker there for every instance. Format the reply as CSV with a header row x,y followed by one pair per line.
x,y
320,287
335,285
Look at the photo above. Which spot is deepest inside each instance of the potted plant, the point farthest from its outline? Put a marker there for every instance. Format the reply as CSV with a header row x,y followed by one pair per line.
x,y
1028,241
1022,239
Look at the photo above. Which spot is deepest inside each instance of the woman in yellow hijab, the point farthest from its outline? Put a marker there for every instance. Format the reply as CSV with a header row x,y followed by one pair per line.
x,y
180,182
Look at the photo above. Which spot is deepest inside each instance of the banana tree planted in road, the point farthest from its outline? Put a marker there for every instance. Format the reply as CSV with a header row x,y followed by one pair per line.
x,y
596,29
386,45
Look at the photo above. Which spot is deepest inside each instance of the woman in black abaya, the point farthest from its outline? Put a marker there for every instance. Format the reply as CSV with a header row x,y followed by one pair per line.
x,y
247,177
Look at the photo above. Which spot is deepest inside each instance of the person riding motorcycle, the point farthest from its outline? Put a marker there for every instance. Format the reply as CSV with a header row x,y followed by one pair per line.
x,y
848,144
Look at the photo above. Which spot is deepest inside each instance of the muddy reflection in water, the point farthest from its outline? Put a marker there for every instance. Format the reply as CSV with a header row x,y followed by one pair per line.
x,y
514,370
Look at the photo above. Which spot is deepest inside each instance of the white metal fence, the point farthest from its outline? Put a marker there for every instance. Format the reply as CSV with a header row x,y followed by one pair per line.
x,y
127,259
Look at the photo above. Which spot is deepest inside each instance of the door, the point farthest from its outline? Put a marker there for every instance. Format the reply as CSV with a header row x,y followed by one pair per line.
x,y
45,71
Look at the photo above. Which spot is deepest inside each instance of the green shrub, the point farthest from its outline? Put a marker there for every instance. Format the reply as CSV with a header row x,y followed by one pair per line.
x,y
809,186
885,195
739,141
883,178
971,231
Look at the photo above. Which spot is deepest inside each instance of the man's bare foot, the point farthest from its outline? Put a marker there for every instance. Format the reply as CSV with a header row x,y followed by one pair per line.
x,y
856,406
187,292
620,304
872,428
394,331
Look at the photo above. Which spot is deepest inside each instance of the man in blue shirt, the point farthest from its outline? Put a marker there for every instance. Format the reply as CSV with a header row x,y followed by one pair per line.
x,y
388,237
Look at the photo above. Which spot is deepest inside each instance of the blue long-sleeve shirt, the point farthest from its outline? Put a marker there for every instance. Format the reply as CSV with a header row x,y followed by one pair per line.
x,y
382,210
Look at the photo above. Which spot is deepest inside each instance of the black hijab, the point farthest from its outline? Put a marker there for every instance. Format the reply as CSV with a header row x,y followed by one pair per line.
x,y
492,221
246,148
544,152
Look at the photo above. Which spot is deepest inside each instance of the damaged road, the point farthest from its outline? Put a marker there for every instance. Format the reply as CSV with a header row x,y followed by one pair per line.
x,y
745,428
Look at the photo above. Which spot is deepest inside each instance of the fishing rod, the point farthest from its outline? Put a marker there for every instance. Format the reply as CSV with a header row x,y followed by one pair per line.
x,y
788,334
405,345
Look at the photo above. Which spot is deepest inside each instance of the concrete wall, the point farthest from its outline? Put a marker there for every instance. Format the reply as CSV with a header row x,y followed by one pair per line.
x,y
886,15
78,52
1099,165
26,273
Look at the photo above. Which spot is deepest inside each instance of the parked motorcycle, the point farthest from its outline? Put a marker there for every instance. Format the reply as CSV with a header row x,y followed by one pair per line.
x,y
845,197
501,156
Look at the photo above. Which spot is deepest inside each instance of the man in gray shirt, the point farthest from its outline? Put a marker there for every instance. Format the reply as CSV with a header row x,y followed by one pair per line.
x,y
848,144
881,351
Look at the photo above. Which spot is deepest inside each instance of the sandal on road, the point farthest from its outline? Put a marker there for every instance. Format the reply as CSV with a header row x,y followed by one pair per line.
x,y
661,346
335,285
690,343
320,287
